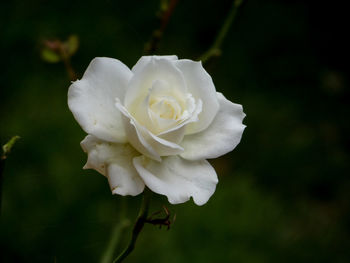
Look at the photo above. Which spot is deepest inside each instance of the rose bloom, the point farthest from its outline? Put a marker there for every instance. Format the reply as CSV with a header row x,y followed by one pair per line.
x,y
155,125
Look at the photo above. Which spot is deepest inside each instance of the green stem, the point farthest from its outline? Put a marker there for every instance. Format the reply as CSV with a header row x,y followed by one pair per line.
x,y
215,50
140,222
6,148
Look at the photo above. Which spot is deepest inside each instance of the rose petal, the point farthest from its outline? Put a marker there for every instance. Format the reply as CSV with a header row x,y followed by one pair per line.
x,y
221,137
122,182
178,179
92,98
172,130
115,162
177,133
143,61
142,81
201,86
146,117
135,137
143,140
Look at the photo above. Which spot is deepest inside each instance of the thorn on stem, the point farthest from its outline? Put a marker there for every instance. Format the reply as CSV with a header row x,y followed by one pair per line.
x,y
163,221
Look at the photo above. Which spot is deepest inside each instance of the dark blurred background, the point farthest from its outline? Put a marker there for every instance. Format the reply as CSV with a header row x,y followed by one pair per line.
x,y
283,194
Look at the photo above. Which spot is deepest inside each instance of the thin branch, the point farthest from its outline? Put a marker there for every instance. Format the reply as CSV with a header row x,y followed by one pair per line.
x,y
215,49
152,45
56,51
70,71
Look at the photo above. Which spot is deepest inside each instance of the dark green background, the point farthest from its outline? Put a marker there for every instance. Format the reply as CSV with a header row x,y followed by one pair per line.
x,y
283,194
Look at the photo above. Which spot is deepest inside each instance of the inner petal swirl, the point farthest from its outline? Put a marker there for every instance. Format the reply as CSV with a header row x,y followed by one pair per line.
x,y
165,107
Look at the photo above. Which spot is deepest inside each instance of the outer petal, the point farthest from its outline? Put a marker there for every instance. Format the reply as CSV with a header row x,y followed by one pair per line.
x,y
92,98
115,162
142,62
178,179
201,86
221,137
143,140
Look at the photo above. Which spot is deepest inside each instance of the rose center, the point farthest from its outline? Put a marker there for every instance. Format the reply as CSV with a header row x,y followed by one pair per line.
x,y
165,107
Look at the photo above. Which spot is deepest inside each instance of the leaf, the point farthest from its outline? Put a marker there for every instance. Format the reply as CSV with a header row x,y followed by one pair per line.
x,y
6,148
50,56
72,45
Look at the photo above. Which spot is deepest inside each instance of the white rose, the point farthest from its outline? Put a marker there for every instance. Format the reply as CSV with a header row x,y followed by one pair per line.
x,y
155,125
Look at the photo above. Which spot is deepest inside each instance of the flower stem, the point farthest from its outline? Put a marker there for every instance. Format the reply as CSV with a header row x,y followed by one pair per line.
x,y
140,222
214,50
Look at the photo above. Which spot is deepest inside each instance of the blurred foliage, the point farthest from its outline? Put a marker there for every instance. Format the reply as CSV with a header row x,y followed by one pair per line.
x,y
50,56
54,51
283,194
